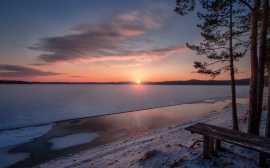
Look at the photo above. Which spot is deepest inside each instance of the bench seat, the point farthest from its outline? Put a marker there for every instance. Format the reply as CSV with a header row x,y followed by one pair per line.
x,y
210,132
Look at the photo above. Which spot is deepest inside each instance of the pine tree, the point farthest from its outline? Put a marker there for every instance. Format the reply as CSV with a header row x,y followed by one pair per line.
x,y
222,26
183,7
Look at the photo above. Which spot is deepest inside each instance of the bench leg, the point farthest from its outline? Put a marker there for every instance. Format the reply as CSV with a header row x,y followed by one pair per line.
x,y
206,147
218,144
262,160
211,146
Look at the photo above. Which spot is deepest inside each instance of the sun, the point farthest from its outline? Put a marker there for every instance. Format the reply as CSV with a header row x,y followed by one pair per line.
x,y
138,81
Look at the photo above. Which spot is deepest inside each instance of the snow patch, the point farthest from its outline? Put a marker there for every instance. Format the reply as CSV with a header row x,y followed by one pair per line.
x,y
72,140
23,135
8,159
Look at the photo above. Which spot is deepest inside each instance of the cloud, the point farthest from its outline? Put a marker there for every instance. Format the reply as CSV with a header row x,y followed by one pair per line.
x,y
22,71
146,18
123,65
118,39
77,76
132,16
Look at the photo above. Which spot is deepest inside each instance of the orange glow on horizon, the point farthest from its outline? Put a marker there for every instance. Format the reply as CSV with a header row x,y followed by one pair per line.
x,y
138,81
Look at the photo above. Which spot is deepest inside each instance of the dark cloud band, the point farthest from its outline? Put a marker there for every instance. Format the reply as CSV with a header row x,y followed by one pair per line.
x,y
114,40
22,71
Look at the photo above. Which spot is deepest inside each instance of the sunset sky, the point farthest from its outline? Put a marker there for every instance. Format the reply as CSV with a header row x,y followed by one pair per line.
x,y
100,41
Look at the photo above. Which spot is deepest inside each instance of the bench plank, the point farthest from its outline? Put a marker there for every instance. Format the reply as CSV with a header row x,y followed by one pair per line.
x,y
246,136
246,140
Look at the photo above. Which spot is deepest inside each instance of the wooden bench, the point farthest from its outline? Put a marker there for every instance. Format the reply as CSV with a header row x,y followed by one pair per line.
x,y
250,141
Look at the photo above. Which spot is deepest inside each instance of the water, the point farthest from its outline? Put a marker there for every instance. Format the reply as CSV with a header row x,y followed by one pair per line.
x,y
28,105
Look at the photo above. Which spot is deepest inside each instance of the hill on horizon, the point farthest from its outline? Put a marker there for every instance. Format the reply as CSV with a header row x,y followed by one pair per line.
x,y
188,82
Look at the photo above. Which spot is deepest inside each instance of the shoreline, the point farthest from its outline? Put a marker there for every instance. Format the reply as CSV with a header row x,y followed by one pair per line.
x,y
165,147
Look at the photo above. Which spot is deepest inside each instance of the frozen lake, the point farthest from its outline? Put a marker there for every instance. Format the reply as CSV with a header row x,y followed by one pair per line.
x,y
36,104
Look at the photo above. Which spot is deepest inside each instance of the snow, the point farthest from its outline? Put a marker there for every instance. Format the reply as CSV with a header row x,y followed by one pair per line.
x,y
72,140
10,138
18,136
8,159
167,147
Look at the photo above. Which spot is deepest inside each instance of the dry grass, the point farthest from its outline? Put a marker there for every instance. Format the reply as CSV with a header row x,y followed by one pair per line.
x,y
168,145
244,117
149,154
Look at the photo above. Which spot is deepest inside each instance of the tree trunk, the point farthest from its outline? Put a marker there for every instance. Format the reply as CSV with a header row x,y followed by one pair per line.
x,y
262,57
263,47
253,122
263,157
234,112
267,129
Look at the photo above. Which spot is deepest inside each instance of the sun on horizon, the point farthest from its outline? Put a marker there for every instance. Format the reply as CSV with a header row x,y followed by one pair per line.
x,y
138,81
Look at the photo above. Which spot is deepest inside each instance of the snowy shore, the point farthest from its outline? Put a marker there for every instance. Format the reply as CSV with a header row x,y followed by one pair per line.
x,y
166,148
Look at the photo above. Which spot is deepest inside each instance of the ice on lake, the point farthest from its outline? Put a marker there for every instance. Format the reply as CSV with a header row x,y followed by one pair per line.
x,y
72,140
28,105
35,105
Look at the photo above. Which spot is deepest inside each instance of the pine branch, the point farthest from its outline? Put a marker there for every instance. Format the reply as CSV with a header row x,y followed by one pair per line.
x,y
219,48
244,35
216,62
240,40
247,4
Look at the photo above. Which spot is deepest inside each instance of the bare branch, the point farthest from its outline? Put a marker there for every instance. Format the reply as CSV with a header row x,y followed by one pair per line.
x,y
240,40
194,144
216,62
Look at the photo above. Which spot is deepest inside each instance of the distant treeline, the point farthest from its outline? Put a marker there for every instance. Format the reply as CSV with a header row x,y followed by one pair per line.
x,y
13,82
189,82
201,82
110,83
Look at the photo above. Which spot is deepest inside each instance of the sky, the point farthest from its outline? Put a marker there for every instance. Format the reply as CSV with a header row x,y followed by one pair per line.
x,y
100,41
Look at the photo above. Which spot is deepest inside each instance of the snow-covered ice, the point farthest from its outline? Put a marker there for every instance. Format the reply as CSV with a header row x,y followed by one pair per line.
x,y
18,136
27,107
30,105
7,159
72,140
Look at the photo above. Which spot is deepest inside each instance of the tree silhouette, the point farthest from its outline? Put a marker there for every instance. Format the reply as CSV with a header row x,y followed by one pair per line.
x,y
183,7
222,26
